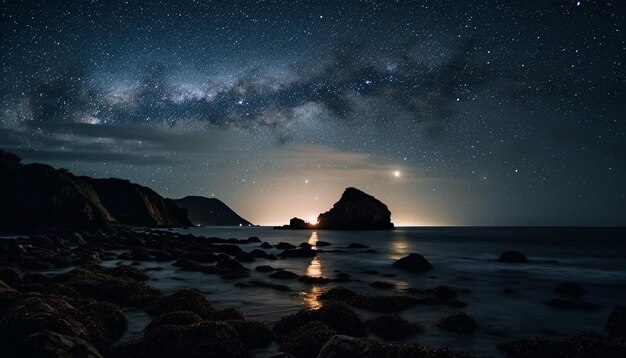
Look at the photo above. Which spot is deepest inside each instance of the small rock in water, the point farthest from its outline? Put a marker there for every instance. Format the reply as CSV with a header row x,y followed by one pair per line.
x,y
413,263
284,246
266,245
356,245
322,244
513,257
383,284
393,327
458,323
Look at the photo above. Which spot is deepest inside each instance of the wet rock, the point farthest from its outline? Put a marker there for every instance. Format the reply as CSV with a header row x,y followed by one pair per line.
x,y
258,253
338,316
254,239
579,346
205,339
343,346
106,322
48,343
266,245
301,252
264,268
306,341
322,243
283,275
184,300
458,323
573,305
174,318
305,244
254,334
413,263
356,245
4,288
11,276
376,303
230,269
616,323
227,314
245,257
284,246
383,284
570,289
513,257
393,327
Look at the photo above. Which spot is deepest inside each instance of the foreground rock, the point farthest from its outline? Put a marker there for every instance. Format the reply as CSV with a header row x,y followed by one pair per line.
x,y
458,323
343,346
579,346
337,316
413,263
616,323
513,257
393,327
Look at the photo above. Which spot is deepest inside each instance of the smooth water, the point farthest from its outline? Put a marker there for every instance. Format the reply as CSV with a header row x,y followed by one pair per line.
x,y
463,258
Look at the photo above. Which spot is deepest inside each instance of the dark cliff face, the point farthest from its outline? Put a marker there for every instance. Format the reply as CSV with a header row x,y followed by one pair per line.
x,y
37,195
133,204
356,210
210,212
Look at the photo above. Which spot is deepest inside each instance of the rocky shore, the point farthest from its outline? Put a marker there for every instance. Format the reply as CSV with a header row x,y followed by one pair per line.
x,y
80,310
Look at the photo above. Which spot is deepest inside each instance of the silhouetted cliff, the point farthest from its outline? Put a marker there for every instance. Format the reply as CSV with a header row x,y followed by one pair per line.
x,y
210,212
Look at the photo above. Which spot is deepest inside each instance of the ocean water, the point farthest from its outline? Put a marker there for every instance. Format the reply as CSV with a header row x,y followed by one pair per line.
x,y
464,258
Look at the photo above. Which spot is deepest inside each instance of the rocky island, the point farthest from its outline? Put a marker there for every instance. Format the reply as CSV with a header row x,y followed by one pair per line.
x,y
355,210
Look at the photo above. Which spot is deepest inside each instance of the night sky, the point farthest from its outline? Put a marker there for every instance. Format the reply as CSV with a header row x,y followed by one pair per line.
x,y
450,112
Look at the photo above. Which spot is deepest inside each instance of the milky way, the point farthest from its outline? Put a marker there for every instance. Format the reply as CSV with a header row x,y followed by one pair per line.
x,y
451,112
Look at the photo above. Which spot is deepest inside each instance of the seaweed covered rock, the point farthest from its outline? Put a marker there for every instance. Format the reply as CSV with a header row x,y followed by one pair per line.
x,y
205,339
341,346
582,345
48,343
337,316
184,300
375,303
174,318
393,327
307,340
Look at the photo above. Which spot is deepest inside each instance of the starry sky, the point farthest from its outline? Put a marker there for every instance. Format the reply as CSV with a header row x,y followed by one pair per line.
x,y
450,112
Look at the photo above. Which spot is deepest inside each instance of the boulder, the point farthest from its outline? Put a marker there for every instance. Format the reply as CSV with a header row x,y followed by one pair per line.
x,y
582,345
393,327
616,323
376,303
184,300
337,316
413,263
51,344
458,323
341,346
283,275
513,257
307,340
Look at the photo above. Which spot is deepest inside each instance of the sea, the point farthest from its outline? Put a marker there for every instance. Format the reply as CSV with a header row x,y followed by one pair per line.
x,y
506,300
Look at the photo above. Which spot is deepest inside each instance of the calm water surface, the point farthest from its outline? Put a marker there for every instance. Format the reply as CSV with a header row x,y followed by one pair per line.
x,y
462,257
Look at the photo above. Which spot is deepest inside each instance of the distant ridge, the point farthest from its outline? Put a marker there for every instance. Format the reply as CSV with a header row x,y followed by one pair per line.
x,y
210,212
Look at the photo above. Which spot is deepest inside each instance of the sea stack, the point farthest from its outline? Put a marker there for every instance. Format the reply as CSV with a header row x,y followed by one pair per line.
x,y
356,210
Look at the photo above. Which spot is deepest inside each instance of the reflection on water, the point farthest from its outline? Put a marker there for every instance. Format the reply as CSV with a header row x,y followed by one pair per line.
x,y
314,270
399,247
313,238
